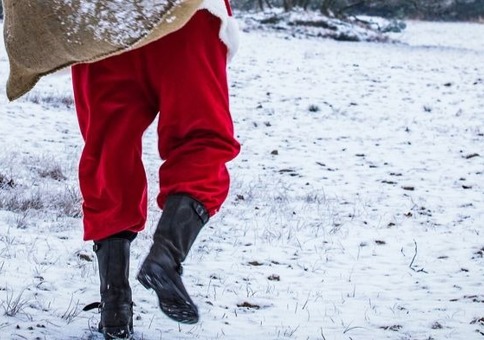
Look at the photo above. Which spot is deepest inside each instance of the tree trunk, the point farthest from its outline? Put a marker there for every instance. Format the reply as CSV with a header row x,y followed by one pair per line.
x,y
287,5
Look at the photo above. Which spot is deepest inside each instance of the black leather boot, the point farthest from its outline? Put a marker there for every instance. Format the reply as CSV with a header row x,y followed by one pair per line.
x,y
116,301
180,223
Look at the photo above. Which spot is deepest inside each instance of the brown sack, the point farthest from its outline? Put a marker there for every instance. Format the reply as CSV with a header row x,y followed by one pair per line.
x,y
43,36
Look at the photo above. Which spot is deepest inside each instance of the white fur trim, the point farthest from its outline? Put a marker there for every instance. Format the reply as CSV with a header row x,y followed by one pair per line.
x,y
229,29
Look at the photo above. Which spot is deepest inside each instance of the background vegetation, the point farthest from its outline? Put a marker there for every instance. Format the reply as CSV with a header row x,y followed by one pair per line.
x,y
416,9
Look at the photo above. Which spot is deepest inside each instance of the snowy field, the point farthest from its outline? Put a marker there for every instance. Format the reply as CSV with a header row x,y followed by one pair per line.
x,y
356,209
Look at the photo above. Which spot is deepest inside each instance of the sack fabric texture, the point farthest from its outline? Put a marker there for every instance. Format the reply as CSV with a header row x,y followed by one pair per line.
x,y
44,36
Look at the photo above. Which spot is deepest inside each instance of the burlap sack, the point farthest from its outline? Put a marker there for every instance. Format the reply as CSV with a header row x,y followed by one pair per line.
x,y
43,36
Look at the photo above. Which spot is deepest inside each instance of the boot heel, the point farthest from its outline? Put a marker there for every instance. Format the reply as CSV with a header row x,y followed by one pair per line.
x,y
145,280
173,299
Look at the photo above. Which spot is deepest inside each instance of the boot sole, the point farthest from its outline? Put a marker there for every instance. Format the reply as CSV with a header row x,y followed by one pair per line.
x,y
171,300
112,333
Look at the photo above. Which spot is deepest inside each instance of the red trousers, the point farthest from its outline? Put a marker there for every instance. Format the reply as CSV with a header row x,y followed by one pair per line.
x,y
183,78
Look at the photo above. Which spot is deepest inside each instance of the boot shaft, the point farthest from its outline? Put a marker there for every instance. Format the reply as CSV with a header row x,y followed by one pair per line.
x,y
182,219
113,262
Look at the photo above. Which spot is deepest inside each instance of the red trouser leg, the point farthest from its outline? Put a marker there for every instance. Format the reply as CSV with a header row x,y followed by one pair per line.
x,y
195,127
113,112
183,75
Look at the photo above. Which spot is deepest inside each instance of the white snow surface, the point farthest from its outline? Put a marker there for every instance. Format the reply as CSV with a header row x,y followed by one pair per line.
x,y
355,212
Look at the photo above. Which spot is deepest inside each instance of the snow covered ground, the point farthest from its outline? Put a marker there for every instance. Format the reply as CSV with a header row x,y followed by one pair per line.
x,y
356,209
